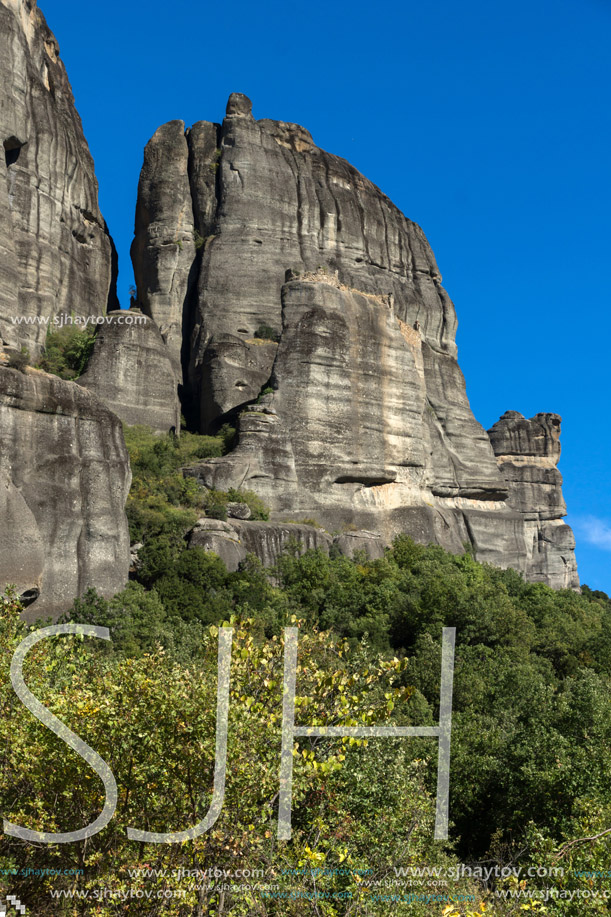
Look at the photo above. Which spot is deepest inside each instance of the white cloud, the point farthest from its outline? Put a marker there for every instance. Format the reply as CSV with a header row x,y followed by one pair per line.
x,y
594,531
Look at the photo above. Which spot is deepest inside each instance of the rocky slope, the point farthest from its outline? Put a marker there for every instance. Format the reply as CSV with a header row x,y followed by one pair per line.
x,y
55,251
64,479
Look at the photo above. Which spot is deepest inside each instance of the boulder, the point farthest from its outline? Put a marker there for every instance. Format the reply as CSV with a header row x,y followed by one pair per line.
x,y
238,511
232,541
219,537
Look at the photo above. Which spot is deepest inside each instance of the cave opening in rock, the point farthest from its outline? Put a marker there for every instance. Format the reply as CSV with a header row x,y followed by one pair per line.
x,y
12,149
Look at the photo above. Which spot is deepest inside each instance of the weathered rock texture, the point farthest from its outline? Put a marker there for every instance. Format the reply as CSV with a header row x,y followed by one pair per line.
x,y
64,478
55,252
348,435
527,452
311,307
131,371
163,250
233,540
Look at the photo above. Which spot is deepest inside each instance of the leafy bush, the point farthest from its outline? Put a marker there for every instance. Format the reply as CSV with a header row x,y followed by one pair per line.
x,y
267,333
67,351
531,729
152,719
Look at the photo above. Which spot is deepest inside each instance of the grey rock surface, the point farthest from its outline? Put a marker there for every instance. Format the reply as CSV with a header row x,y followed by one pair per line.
x,y
347,433
313,312
527,452
221,538
268,540
64,479
351,543
233,540
238,511
163,250
265,199
131,371
56,256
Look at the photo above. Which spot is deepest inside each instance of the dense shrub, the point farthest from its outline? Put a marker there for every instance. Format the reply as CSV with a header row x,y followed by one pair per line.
x,y
267,333
531,729
67,351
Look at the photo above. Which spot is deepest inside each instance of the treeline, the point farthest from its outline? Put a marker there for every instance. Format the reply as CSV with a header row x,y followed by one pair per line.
x,y
530,780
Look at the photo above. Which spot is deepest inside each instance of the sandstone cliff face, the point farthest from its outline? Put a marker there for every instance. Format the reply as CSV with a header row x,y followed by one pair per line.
x,y
64,479
264,199
347,434
527,452
131,371
313,310
55,252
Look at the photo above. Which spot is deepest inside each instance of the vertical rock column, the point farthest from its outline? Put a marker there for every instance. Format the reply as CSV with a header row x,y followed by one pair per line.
x,y
163,250
527,452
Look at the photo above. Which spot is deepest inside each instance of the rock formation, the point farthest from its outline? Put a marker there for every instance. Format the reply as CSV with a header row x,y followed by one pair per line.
x,y
312,310
131,371
234,539
347,434
282,291
527,452
55,251
163,250
64,479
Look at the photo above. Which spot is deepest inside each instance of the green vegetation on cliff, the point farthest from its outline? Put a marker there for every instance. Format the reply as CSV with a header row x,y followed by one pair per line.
x,y
67,351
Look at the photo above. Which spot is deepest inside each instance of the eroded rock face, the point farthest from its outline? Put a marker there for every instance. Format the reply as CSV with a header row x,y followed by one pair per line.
x,y
163,250
347,433
64,479
56,256
131,371
313,310
527,452
265,199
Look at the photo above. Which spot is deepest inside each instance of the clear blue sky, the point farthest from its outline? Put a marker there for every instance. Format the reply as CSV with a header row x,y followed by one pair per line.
x,y
488,124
